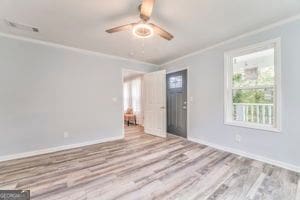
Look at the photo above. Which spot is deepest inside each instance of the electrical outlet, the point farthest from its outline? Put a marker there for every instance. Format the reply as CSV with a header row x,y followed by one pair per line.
x,y
238,138
66,134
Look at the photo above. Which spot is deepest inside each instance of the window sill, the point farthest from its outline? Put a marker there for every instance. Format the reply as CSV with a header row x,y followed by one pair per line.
x,y
253,126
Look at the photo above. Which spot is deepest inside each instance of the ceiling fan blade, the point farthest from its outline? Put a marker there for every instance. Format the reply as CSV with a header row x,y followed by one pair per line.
x,y
146,9
161,32
120,28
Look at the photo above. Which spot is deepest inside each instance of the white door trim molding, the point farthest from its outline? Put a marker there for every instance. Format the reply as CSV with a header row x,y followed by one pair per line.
x,y
247,155
59,148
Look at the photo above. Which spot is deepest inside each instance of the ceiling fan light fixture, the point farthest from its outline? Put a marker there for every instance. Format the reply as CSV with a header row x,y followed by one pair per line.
x,y
142,30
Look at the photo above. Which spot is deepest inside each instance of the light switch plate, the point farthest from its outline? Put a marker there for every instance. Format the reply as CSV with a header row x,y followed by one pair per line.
x,y
114,99
66,134
238,138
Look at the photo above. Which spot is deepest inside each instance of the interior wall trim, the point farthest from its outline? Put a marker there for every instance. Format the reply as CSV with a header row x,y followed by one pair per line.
x,y
55,149
79,50
248,155
250,33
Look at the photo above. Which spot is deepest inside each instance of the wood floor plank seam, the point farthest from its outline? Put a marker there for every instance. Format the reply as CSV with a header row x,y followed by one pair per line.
x,y
142,166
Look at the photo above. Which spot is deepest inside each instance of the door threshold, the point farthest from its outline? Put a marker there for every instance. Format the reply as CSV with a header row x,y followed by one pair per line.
x,y
176,135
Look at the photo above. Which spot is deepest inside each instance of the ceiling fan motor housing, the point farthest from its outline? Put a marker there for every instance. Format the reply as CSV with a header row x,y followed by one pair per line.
x,y
142,30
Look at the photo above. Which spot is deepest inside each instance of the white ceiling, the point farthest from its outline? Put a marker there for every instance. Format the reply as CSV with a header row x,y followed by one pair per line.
x,y
196,24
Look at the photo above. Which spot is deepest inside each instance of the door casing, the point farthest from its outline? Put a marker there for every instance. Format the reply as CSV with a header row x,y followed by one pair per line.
x,y
189,98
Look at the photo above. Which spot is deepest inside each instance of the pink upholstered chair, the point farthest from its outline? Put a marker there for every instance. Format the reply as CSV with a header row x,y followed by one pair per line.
x,y
129,116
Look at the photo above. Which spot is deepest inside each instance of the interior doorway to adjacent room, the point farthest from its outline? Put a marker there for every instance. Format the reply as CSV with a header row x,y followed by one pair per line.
x,y
133,98
144,101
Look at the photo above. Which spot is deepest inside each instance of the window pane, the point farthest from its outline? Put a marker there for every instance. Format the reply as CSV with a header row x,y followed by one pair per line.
x,y
254,70
262,96
136,94
253,105
175,82
252,86
253,89
126,94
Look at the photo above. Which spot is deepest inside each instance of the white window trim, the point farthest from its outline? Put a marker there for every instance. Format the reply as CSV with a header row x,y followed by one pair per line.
x,y
276,43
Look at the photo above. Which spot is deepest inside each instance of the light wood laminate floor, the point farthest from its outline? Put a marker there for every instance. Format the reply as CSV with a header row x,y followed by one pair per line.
x,y
147,167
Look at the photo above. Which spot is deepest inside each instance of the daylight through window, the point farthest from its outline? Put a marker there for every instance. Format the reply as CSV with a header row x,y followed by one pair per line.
x,y
252,93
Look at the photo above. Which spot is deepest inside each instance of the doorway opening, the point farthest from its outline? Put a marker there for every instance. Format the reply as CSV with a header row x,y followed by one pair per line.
x,y
133,101
177,103
144,101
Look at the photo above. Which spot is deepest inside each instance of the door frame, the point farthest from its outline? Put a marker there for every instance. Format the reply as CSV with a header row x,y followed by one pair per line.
x,y
167,72
122,97
188,97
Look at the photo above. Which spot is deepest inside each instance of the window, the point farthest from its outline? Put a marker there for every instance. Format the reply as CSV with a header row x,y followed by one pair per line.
x,y
126,95
175,82
136,96
132,97
252,86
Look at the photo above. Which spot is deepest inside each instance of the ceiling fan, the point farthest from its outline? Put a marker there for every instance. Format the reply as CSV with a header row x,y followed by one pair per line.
x,y
142,28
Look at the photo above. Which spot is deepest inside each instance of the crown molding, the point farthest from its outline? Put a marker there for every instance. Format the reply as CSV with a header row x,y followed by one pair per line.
x,y
89,52
265,28
75,49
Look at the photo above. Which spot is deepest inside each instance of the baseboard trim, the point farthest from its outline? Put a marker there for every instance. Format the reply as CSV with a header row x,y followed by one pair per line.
x,y
55,149
247,155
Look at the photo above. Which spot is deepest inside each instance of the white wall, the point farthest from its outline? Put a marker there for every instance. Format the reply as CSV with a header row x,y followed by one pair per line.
x,y
206,86
46,90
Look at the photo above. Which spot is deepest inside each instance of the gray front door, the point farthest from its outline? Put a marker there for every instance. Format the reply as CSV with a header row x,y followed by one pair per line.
x,y
177,103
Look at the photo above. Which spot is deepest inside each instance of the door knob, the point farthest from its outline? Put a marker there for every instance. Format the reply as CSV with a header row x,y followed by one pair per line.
x,y
162,107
